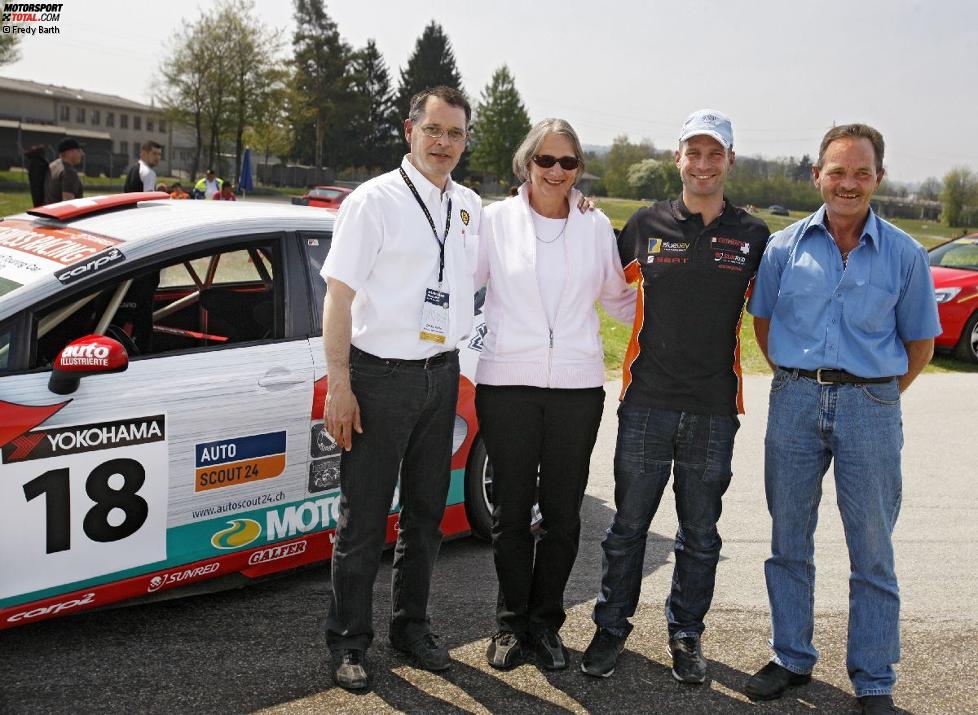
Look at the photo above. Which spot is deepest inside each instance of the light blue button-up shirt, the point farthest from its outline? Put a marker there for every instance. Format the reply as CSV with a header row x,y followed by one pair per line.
x,y
855,317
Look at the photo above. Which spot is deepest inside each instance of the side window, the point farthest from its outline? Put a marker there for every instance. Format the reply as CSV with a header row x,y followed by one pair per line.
x,y
201,301
316,246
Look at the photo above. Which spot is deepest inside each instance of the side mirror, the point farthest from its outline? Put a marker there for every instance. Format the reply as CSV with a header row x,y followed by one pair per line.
x,y
91,355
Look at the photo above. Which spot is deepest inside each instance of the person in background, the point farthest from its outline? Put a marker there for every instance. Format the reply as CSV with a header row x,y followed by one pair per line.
x,y
226,193
540,378
62,182
207,186
142,175
177,192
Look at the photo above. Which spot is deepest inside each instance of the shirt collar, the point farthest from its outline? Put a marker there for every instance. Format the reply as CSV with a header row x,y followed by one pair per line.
x,y
425,188
870,230
681,213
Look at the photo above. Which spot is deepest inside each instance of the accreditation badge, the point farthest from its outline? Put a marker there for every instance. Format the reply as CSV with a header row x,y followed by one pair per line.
x,y
434,316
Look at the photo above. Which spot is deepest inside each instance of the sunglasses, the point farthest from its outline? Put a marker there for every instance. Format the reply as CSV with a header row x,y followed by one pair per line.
x,y
567,163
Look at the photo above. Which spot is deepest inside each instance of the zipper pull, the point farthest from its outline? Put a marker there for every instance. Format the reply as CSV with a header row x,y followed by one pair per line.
x,y
551,339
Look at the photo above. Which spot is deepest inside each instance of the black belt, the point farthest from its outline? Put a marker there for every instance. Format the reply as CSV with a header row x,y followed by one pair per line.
x,y
830,376
424,363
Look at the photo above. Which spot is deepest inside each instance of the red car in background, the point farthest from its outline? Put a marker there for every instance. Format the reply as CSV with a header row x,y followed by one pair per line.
x,y
954,266
324,197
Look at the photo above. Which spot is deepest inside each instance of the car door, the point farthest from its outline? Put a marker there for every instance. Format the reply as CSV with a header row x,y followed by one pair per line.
x,y
178,460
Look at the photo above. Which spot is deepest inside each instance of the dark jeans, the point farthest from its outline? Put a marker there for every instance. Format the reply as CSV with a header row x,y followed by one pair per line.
x,y
526,428
698,449
407,412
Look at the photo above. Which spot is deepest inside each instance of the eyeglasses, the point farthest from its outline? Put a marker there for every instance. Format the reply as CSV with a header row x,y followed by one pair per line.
x,y
567,163
454,134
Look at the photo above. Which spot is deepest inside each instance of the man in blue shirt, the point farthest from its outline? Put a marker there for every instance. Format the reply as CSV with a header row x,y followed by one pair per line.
x,y
844,312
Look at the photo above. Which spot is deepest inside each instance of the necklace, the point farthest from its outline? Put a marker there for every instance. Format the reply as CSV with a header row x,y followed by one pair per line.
x,y
557,237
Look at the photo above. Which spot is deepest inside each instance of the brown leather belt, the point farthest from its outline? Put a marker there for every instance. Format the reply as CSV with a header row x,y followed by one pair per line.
x,y
831,376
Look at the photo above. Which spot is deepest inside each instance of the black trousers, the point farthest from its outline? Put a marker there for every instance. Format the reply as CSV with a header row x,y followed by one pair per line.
x,y
407,412
527,429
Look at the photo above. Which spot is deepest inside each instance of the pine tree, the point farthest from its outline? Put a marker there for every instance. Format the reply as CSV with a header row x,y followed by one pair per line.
x,y
375,128
501,123
321,78
431,64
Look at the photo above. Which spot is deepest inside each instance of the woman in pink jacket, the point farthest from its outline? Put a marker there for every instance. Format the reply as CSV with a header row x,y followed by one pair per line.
x,y
540,382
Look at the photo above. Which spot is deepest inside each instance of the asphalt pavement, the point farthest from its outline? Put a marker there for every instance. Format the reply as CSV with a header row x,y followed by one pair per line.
x,y
262,648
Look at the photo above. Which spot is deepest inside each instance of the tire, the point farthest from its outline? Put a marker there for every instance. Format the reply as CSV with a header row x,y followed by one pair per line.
x,y
967,347
478,491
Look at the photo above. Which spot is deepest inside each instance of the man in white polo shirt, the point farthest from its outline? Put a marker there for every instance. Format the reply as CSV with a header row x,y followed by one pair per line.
x,y
398,301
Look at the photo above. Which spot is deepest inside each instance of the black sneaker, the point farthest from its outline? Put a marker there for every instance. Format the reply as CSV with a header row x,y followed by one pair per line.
x,y
550,650
505,651
602,654
349,671
427,654
877,705
688,663
770,682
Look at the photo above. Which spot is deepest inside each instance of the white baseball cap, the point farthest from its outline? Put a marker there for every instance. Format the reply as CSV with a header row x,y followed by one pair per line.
x,y
711,123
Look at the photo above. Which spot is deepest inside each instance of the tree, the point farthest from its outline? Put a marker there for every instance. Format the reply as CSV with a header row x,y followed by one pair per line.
x,y
929,189
960,196
622,155
501,123
9,52
255,73
374,128
321,77
654,179
431,64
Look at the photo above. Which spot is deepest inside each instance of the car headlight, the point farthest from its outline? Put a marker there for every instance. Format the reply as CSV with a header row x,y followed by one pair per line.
x,y
946,295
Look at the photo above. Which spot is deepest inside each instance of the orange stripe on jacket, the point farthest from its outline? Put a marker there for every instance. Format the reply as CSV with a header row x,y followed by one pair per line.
x,y
736,361
633,274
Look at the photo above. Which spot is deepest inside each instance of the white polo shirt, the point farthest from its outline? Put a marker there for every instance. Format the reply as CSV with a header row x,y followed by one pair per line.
x,y
384,249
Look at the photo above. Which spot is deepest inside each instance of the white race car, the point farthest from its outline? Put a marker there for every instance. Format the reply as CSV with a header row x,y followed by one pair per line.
x,y
162,382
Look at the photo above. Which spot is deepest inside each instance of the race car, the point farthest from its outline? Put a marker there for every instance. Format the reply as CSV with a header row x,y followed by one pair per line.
x,y
324,197
162,383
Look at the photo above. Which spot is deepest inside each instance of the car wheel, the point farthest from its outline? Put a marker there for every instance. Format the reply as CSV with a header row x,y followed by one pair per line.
x,y
967,347
478,490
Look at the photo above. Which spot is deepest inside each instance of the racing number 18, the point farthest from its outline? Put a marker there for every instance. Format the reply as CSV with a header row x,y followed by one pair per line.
x,y
96,525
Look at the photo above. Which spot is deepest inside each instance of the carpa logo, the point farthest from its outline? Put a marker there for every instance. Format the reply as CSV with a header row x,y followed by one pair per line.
x,y
241,532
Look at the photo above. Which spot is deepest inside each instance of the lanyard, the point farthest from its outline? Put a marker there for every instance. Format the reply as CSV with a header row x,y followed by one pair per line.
x,y
431,222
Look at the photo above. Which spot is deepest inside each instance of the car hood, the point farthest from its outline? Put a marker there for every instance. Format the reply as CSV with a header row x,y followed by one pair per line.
x,y
953,277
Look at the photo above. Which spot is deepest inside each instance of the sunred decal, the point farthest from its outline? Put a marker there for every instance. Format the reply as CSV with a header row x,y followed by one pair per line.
x,y
16,419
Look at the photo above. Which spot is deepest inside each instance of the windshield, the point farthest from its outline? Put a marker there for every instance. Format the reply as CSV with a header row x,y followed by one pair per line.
x,y
962,253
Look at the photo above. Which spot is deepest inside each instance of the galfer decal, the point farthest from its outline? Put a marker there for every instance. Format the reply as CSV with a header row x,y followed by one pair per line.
x,y
93,264
17,419
59,441
239,460
241,532
277,552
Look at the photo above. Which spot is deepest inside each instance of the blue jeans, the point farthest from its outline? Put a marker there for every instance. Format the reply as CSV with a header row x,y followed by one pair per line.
x,y
697,449
859,426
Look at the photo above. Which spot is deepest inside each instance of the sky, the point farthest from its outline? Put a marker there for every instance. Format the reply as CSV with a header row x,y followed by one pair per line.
x,y
784,71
